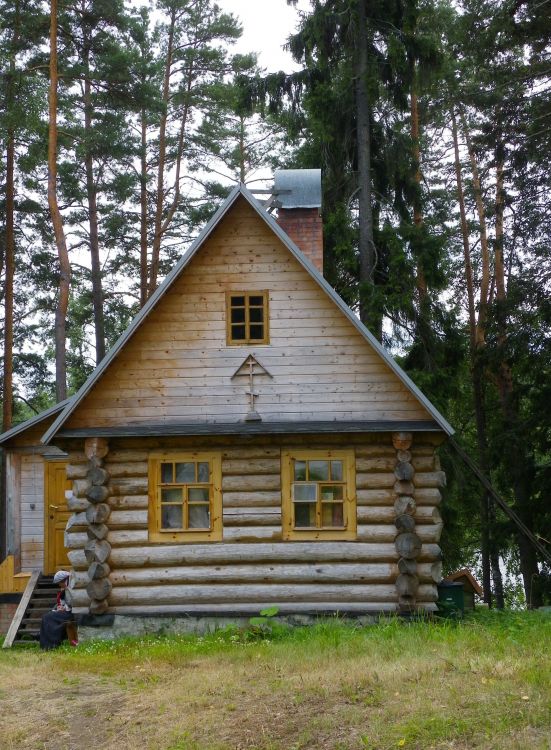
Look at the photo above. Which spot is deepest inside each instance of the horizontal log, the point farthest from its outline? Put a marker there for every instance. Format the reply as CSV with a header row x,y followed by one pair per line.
x,y
404,566
383,463
253,533
81,487
251,482
128,519
424,463
408,545
127,469
377,533
76,471
271,573
77,503
98,607
375,450
227,553
252,516
74,539
129,502
387,514
430,479
374,481
407,584
130,486
259,499
125,537
246,466
251,452
76,521
246,610
127,455
403,487
242,593
77,559
375,497
428,496
423,449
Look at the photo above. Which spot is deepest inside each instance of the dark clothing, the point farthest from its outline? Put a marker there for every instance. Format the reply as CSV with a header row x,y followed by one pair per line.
x,y
53,628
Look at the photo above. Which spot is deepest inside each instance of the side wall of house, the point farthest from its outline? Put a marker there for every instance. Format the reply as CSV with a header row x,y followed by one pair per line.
x,y
252,567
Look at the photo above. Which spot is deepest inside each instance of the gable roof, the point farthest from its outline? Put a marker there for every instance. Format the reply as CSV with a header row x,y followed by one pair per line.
x,y
241,191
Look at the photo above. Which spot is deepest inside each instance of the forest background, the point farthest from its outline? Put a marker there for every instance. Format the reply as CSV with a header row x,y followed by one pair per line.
x,y
124,126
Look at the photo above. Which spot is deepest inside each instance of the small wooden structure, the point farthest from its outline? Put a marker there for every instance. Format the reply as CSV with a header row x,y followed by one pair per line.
x,y
471,587
312,483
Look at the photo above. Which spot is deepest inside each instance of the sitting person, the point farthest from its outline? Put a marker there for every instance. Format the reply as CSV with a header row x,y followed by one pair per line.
x,y
53,628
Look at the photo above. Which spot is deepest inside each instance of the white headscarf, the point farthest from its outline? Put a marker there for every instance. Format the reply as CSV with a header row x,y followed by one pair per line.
x,y
61,575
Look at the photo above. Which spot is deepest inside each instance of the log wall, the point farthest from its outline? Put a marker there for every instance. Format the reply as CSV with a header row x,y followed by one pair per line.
x,y
252,568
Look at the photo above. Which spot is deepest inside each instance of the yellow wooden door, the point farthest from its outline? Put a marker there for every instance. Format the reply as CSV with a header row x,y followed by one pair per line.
x,y
57,514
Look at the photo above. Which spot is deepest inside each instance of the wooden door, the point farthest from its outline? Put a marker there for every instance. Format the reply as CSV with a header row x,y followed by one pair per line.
x,y
56,516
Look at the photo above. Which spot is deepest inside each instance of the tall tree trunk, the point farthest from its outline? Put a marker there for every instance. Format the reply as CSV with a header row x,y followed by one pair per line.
x,y
369,314
7,394
64,265
478,342
421,281
475,370
9,250
515,450
158,220
91,194
143,209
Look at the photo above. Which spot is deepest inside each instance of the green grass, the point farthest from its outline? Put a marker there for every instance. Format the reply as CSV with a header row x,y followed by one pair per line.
x,y
484,682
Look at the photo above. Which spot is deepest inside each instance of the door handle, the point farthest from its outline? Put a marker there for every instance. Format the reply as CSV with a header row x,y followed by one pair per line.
x,y
55,507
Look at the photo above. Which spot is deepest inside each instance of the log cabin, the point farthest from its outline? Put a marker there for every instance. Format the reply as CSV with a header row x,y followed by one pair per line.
x,y
246,443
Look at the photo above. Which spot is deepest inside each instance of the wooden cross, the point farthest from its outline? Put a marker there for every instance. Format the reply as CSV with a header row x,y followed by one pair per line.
x,y
250,368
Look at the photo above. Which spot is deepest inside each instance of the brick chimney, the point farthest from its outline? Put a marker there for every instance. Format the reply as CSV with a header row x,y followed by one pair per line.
x,y
297,195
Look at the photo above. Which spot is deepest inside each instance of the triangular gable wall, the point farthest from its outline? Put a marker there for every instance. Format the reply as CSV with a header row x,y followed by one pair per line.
x,y
173,364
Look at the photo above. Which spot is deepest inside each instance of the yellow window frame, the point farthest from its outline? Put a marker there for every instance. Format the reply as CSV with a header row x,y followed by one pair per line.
x,y
155,485
247,322
349,506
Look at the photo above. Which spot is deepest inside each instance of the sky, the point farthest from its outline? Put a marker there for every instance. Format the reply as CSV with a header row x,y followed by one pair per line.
x,y
266,26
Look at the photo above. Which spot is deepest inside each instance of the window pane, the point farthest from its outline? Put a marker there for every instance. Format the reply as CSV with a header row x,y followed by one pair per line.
x,y
257,332
238,333
331,492
300,471
318,471
198,517
304,493
185,473
237,301
171,517
256,315
332,514
305,515
203,472
172,495
198,494
238,315
336,471
166,473
256,301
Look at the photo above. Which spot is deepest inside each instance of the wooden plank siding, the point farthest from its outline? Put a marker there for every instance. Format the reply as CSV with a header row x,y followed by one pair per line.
x,y
177,367
252,566
32,512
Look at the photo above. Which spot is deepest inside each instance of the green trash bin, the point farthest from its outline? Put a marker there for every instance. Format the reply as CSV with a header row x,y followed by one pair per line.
x,y
451,599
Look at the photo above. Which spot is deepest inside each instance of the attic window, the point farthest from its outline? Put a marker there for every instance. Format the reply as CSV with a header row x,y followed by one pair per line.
x,y
247,318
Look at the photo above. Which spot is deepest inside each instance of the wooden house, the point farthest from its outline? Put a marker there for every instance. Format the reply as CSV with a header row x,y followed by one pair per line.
x,y
246,443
